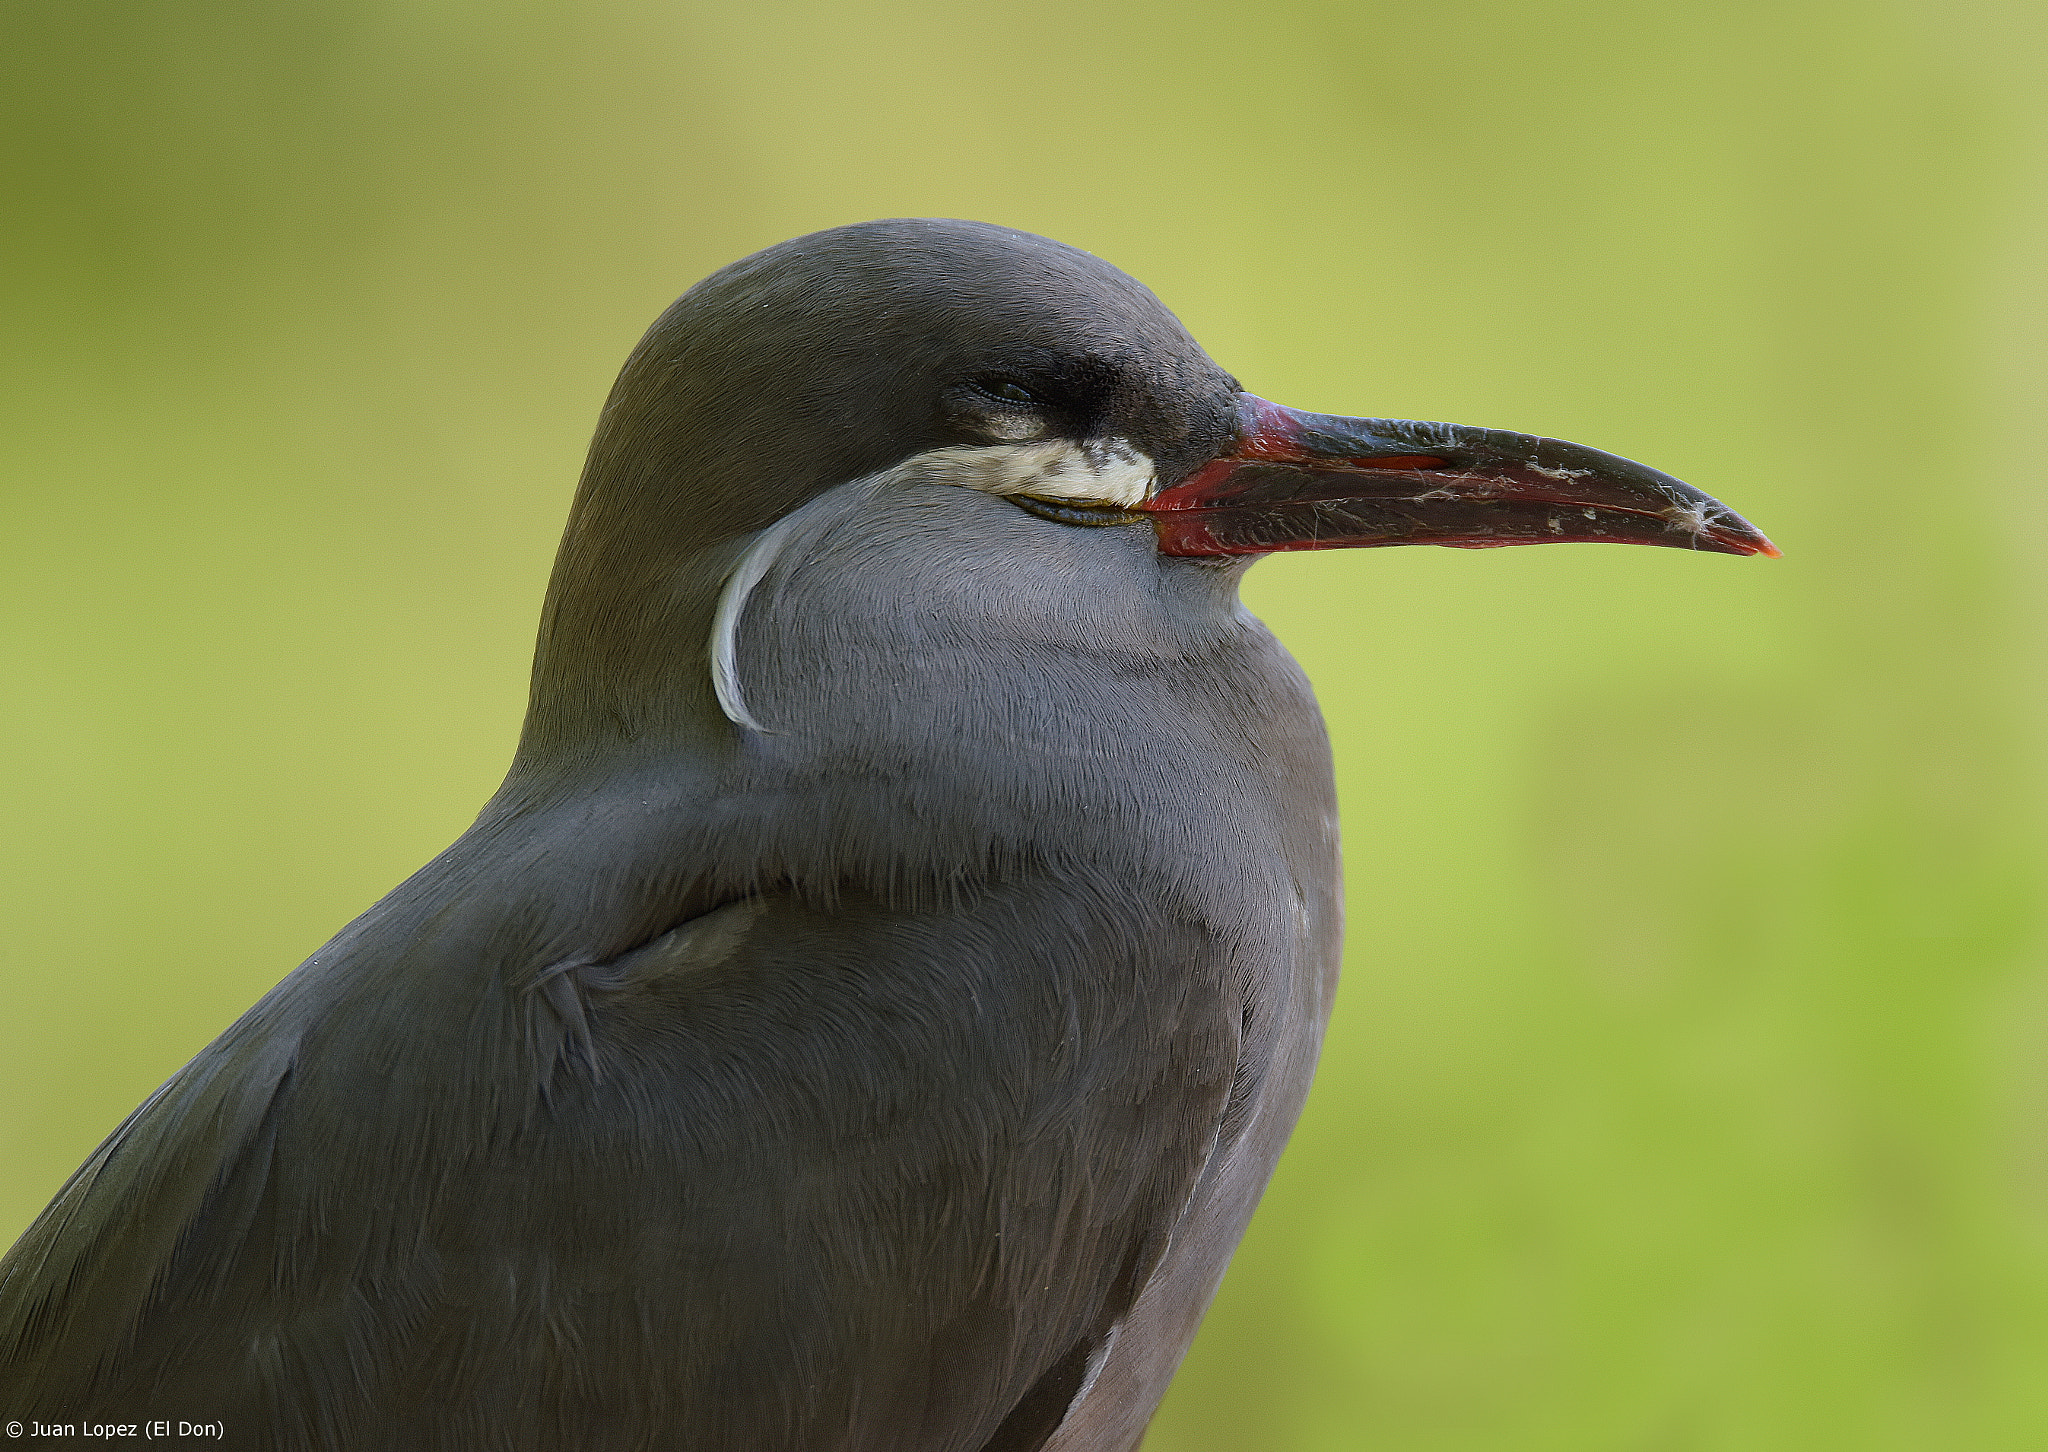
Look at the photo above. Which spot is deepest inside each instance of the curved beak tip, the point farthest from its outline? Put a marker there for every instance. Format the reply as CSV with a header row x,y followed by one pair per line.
x,y
1721,529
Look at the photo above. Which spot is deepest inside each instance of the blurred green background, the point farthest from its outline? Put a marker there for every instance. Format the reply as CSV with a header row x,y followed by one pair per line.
x,y
1689,1089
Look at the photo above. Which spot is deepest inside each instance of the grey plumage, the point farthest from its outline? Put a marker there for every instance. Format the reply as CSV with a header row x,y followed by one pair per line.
x,y
898,1075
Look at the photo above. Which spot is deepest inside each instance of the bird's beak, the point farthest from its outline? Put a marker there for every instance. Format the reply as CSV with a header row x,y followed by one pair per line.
x,y
1314,481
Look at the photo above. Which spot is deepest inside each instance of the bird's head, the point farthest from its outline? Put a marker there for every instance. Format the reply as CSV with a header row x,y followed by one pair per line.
x,y
945,356
835,356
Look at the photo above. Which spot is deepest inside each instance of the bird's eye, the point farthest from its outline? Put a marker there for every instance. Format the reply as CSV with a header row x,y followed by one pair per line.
x,y
1009,391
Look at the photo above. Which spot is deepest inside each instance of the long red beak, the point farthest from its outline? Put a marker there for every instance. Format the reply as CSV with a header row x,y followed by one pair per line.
x,y
1315,481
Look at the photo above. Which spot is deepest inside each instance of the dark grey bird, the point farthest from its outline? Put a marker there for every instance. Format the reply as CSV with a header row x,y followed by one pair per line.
x,y
874,1003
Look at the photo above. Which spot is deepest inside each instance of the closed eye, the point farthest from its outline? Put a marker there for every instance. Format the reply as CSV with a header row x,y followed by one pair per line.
x,y
1008,390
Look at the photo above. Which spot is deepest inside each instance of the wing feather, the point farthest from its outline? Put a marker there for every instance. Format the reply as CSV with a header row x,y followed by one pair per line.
x,y
785,1176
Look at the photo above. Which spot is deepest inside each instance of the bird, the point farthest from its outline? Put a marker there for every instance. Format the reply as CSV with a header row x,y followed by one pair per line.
x,y
871,1008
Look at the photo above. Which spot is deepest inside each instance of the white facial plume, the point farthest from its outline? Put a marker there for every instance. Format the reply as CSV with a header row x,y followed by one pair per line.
x,y
1104,472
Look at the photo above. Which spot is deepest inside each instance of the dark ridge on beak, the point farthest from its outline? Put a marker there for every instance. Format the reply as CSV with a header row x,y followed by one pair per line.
x,y
1315,481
